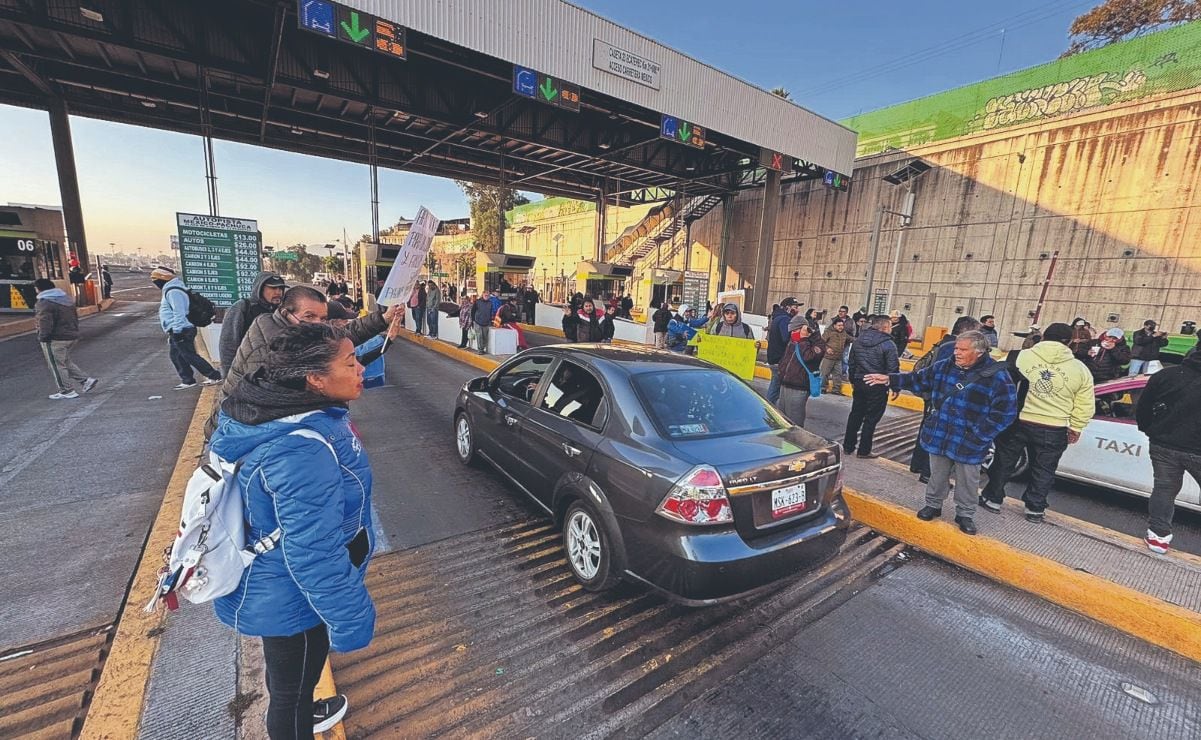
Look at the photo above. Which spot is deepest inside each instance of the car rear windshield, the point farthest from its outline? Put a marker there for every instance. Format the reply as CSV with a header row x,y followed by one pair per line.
x,y
691,404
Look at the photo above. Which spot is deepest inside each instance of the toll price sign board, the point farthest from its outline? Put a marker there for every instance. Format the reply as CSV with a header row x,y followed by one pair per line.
x,y
530,83
366,31
696,288
220,256
681,131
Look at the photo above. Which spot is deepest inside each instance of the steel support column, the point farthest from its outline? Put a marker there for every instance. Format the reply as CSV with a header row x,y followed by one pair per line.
x,y
602,214
727,226
767,234
68,180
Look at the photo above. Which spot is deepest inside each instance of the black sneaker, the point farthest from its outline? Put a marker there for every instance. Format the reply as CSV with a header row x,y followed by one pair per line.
x,y
990,505
966,525
329,712
1035,517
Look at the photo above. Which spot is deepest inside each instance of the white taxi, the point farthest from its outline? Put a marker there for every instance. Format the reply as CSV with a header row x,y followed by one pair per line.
x,y
1113,453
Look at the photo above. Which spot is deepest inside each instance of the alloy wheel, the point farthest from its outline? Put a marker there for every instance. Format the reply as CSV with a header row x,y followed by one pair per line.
x,y
583,545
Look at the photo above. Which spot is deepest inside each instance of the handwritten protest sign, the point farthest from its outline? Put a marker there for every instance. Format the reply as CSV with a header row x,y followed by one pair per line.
x,y
403,276
734,354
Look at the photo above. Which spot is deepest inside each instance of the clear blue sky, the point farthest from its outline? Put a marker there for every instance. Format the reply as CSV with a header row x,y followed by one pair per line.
x,y
837,58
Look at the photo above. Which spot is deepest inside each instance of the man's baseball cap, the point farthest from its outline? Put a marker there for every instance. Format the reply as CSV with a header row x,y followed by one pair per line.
x,y
275,281
162,273
790,301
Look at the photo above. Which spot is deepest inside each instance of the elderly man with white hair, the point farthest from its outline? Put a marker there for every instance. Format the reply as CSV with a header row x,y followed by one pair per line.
x,y
972,400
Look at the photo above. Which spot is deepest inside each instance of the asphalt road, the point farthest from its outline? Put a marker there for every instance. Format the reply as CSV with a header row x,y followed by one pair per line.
x,y
918,649
81,480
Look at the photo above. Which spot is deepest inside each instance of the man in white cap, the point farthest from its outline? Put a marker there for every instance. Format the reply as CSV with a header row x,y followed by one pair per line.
x,y
181,332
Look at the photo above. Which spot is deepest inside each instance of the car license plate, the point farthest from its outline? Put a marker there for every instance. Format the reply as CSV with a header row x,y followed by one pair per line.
x,y
789,500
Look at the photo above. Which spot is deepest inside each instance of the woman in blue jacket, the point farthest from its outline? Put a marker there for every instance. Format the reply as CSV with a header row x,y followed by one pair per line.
x,y
303,473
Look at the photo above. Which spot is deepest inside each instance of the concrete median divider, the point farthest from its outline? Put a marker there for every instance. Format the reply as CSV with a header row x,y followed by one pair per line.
x,y
1144,616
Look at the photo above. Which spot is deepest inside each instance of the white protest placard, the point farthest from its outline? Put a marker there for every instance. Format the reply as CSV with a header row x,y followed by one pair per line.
x,y
403,276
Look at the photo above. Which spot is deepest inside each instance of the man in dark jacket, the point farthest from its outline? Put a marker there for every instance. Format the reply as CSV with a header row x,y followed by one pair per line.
x,y
301,305
482,313
660,319
973,400
872,353
265,296
58,331
778,340
106,282
1147,343
1169,413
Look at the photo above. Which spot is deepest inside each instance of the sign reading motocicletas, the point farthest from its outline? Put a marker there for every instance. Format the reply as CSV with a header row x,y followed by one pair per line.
x,y
220,256
608,58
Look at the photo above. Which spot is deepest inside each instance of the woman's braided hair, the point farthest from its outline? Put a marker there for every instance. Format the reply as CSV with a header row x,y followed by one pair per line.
x,y
300,351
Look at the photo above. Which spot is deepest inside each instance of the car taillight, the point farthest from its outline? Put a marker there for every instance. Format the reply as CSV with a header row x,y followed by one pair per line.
x,y
698,498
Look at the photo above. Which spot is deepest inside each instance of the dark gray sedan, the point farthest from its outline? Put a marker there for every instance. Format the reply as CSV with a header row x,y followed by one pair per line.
x,y
657,467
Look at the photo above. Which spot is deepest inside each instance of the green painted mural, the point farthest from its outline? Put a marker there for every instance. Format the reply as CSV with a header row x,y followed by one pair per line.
x,y
1163,62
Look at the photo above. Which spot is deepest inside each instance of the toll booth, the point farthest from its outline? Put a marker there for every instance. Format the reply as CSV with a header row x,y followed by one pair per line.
x,y
662,286
375,262
31,247
502,272
599,279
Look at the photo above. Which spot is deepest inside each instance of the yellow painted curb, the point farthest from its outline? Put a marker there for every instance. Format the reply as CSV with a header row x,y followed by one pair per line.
x,y
324,690
1145,617
452,351
116,708
543,330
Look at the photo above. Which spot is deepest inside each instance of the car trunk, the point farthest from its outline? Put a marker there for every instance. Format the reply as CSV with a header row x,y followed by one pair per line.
x,y
776,479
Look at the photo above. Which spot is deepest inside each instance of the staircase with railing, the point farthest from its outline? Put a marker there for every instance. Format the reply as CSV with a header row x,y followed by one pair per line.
x,y
660,225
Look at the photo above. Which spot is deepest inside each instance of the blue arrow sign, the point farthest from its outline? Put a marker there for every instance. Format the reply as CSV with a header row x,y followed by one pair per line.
x,y
829,179
525,81
317,16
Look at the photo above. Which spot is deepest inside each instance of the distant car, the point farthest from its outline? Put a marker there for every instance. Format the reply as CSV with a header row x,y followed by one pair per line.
x,y
657,468
1112,452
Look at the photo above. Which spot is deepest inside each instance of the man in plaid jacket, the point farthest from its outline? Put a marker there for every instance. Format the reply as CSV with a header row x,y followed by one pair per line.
x,y
972,400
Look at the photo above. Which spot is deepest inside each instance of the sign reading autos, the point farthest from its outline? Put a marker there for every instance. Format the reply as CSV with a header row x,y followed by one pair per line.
x,y
622,63
220,256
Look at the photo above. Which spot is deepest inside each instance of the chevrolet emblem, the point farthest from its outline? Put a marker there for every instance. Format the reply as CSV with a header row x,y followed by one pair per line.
x,y
797,466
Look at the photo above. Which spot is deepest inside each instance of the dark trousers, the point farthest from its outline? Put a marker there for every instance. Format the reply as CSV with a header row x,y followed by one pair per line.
x,y
463,341
1043,445
182,347
919,461
1169,466
419,318
293,666
867,408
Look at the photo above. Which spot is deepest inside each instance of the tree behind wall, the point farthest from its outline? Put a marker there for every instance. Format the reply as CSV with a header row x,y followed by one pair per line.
x,y
1116,20
488,205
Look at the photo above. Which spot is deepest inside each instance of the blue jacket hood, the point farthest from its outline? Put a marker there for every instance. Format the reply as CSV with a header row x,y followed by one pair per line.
x,y
234,440
56,295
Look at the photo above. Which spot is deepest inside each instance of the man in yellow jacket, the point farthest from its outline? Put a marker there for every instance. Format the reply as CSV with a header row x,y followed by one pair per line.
x,y
1055,401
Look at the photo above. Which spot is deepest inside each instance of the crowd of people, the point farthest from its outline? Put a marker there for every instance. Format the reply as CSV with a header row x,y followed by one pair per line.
x,y
293,360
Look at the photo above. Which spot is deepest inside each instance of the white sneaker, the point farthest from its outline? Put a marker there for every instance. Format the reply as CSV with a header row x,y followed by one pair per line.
x,y
89,384
184,386
63,396
211,381
1159,544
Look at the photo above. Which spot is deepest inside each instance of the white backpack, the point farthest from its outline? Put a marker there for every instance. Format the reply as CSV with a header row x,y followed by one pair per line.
x,y
210,551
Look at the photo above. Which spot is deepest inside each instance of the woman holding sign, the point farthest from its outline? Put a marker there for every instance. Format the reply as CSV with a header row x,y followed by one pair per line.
x,y
799,375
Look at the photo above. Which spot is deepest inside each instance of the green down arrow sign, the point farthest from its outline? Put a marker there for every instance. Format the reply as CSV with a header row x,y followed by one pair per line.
x,y
354,29
685,132
548,89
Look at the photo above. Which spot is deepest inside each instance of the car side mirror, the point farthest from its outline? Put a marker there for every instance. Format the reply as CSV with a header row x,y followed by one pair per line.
x,y
478,385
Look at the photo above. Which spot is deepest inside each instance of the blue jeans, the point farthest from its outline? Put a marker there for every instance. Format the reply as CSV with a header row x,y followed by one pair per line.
x,y
1137,367
432,322
419,318
773,387
182,347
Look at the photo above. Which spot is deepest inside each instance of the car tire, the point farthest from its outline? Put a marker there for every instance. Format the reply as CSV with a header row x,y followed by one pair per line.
x,y
465,448
588,546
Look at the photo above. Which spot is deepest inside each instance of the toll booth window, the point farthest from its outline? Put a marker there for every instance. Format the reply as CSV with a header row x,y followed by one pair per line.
x,y
50,263
575,394
521,380
17,259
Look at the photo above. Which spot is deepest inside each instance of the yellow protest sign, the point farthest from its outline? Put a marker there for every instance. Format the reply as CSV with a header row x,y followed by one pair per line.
x,y
734,354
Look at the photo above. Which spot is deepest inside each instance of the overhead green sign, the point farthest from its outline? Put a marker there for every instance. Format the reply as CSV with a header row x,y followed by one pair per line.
x,y
1163,62
284,256
220,256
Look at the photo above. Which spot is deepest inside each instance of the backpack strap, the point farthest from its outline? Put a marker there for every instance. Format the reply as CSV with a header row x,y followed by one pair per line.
x,y
974,377
268,543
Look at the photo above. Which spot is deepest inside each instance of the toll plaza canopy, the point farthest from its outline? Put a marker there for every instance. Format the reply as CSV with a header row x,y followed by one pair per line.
x,y
538,94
